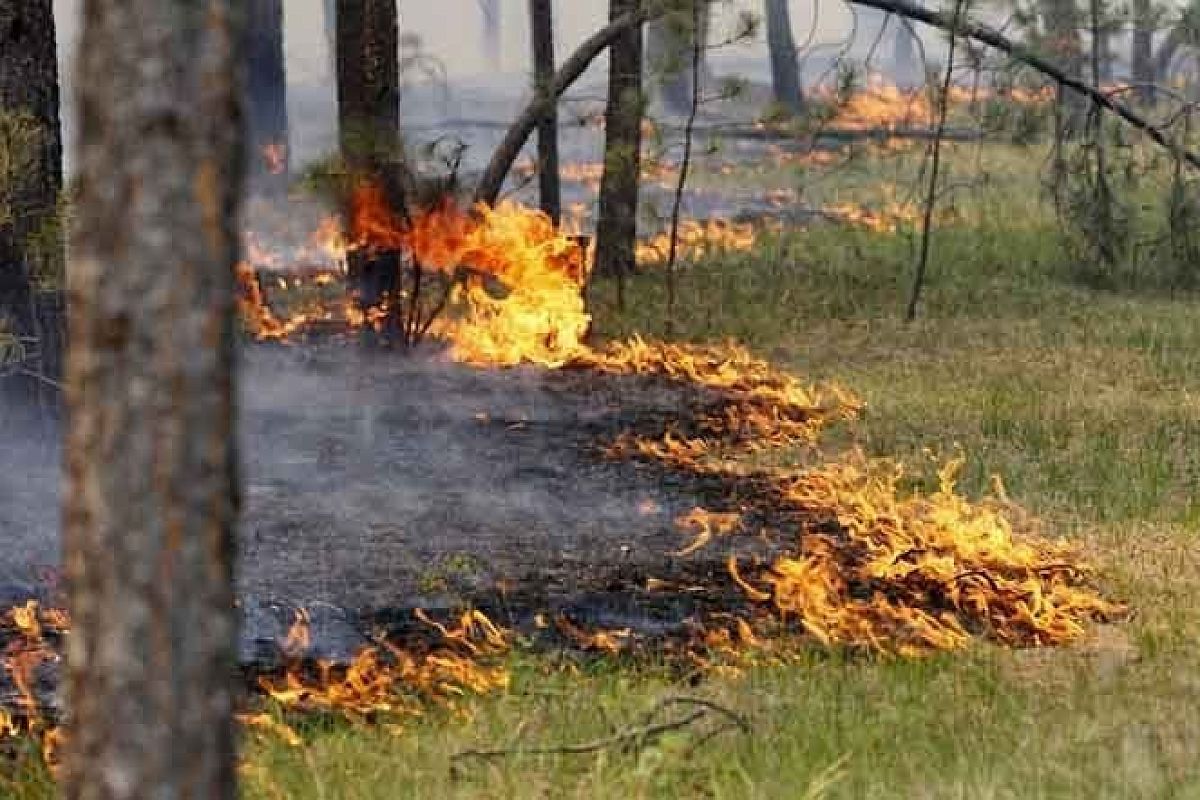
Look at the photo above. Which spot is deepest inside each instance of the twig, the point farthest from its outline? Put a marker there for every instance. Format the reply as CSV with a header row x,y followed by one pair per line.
x,y
936,146
637,737
684,166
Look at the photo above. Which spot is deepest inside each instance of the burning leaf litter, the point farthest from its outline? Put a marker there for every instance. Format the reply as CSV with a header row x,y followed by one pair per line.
x,y
861,562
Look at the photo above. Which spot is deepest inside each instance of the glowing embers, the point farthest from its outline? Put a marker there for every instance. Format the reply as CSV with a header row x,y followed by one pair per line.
x,y
866,564
385,681
31,632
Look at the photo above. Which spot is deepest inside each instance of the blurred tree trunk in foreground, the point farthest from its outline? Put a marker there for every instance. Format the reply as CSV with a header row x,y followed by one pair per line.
x,y
785,70
541,18
266,97
616,228
151,493
31,253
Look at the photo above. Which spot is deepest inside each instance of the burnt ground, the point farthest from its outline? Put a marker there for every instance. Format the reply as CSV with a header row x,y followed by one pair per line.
x,y
376,483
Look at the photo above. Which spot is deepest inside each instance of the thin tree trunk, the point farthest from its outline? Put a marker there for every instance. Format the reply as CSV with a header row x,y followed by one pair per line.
x,y
785,70
505,154
616,228
541,17
150,495
491,22
31,253
1060,19
1141,50
684,167
266,96
368,87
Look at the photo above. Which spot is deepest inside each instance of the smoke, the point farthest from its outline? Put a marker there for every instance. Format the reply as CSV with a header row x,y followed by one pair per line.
x,y
29,494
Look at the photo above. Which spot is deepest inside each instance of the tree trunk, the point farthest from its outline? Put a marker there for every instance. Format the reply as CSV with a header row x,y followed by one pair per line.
x,y
31,253
150,494
669,52
1141,50
266,96
616,228
368,84
518,133
541,17
492,31
785,71
1061,23
907,72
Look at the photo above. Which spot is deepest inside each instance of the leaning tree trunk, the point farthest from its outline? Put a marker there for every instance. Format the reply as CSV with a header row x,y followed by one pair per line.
x,y
30,246
266,96
616,228
541,18
785,70
150,494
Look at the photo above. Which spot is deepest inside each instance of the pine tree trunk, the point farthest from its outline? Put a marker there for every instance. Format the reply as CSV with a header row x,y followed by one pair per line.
x,y
1061,21
368,81
616,229
31,253
541,17
266,96
150,495
785,70
1141,55
492,31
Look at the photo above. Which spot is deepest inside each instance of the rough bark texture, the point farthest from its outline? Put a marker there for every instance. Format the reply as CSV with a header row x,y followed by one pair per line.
x,y
785,70
541,18
150,495
616,228
30,248
368,80
266,96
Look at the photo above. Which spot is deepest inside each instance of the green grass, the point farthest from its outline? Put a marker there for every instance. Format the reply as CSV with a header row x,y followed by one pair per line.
x,y
1086,402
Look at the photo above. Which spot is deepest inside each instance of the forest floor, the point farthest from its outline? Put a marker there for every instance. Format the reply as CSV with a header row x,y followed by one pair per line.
x,y
1086,401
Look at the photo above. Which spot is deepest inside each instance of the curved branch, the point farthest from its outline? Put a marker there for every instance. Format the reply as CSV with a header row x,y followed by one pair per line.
x,y
492,180
993,38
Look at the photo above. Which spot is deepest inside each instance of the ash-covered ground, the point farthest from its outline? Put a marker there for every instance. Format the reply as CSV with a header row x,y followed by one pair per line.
x,y
375,483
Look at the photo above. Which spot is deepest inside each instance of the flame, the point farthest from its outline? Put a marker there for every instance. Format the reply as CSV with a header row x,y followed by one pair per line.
x,y
698,239
22,658
539,319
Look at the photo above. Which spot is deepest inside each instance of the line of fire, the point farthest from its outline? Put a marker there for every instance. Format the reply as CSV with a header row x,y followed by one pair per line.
x,y
489,408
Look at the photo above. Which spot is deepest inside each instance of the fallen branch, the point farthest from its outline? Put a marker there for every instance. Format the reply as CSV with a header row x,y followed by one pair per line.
x,y
997,40
637,737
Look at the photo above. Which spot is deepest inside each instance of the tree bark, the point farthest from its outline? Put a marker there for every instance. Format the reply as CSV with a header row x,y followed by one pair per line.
x,y
785,70
616,228
541,17
266,96
1141,50
31,253
150,496
1061,23
368,81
